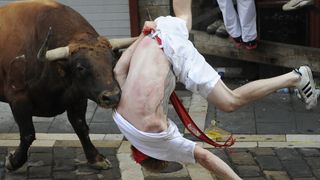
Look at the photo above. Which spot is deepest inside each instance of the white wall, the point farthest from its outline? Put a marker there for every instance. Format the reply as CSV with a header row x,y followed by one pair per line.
x,y
109,17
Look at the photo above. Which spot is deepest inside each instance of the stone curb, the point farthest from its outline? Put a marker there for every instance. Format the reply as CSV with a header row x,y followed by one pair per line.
x,y
115,140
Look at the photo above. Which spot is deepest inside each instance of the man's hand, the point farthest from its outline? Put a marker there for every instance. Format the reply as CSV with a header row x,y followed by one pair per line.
x,y
148,27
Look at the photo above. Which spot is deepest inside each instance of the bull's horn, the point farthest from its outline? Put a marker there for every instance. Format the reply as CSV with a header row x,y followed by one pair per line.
x,y
58,53
120,43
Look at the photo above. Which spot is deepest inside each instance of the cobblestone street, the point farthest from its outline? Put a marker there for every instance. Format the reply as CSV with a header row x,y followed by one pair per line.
x,y
276,146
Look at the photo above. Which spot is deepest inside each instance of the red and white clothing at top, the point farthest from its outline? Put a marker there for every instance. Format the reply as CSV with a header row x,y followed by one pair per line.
x,y
241,23
189,66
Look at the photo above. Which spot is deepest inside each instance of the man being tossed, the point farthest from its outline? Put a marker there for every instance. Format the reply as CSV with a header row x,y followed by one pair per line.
x,y
147,73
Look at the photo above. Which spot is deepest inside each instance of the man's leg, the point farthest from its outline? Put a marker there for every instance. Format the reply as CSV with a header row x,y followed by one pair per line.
x,y
230,100
214,164
182,9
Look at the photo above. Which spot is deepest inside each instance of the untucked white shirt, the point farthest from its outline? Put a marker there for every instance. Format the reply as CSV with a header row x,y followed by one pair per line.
x,y
168,145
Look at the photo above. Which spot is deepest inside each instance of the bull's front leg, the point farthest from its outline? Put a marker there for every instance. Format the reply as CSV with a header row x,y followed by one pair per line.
x,y
21,110
76,116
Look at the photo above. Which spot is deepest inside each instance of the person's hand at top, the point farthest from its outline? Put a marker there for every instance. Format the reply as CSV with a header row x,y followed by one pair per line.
x,y
148,27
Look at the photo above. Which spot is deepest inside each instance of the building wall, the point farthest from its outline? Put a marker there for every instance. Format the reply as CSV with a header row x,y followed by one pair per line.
x,y
109,17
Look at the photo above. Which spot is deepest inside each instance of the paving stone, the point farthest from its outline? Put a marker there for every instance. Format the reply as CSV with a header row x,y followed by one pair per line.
x,y
248,171
221,154
61,124
45,158
305,178
2,172
262,151
297,168
303,137
84,170
89,177
289,144
7,122
105,127
269,162
15,176
242,158
275,127
174,170
261,138
236,122
273,103
129,168
40,150
245,145
113,173
124,147
102,115
313,162
276,175
113,160
64,153
41,127
196,171
14,128
309,125
310,152
64,165
65,175
40,172
3,150
254,178
316,172
2,163
108,151
285,154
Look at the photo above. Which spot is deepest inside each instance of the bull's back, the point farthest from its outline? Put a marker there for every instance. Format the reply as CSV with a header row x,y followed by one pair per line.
x,y
26,22
24,26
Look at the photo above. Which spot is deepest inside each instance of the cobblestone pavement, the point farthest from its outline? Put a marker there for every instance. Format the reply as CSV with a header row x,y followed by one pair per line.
x,y
250,163
276,139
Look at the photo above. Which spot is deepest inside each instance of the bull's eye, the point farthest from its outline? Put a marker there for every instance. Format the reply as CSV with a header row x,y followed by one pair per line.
x,y
80,68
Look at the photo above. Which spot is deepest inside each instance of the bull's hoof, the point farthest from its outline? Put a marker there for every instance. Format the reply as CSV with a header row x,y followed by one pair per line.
x,y
8,163
101,165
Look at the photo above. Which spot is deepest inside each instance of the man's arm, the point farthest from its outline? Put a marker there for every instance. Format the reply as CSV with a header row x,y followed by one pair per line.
x,y
122,67
182,9
214,164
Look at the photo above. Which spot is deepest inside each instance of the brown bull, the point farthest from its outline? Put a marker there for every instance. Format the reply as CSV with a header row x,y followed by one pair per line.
x,y
37,82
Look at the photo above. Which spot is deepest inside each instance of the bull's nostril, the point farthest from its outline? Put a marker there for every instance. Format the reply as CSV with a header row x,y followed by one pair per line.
x,y
105,98
110,98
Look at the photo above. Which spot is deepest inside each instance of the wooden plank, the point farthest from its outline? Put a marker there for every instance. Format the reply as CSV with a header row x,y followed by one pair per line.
x,y
211,14
272,53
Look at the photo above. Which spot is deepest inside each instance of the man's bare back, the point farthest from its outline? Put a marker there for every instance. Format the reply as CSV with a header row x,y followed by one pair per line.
x,y
148,85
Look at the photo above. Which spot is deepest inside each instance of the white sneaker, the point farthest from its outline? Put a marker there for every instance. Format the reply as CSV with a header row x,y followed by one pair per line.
x,y
296,4
306,87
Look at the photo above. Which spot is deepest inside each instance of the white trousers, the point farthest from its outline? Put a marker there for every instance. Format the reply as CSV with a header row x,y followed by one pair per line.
x,y
189,66
242,23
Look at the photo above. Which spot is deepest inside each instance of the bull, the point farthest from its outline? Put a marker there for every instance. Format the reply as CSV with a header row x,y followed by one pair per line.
x,y
51,61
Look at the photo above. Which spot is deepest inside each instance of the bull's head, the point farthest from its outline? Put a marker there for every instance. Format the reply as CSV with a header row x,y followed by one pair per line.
x,y
90,66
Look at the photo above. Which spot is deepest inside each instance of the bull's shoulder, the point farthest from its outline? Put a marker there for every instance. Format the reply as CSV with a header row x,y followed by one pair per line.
x,y
44,2
26,3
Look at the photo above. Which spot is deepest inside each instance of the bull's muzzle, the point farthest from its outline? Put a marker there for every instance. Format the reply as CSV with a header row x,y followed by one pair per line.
x,y
109,99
